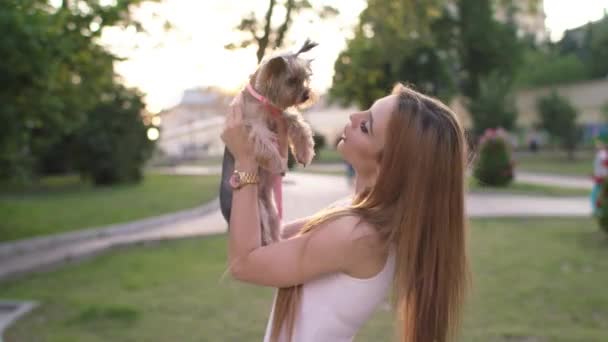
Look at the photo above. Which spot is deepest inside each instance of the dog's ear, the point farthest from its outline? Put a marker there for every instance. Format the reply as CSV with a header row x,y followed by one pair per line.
x,y
273,67
307,46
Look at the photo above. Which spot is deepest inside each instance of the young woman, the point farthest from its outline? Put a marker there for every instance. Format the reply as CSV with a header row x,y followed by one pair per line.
x,y
404,229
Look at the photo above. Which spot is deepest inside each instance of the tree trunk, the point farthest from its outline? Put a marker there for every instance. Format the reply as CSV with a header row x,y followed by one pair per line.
x,y
263,41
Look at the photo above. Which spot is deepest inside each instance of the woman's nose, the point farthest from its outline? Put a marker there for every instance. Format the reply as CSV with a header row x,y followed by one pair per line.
x,y
353,119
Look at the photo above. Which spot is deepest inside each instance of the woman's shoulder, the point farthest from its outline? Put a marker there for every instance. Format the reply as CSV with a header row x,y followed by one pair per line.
x,y
359,243
354,232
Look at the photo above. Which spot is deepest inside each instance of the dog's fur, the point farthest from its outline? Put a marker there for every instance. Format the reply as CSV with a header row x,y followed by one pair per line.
x,y
283,80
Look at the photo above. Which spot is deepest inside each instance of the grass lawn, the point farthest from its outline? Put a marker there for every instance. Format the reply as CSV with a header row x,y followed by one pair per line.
x,y
328,156
534,280
523,188
556,162
60,204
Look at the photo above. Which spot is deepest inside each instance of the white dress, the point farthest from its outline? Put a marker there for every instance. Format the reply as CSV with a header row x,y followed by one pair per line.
x,y
334,307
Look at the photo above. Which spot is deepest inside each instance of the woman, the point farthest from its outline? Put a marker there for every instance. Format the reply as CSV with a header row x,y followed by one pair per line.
x,y
405,227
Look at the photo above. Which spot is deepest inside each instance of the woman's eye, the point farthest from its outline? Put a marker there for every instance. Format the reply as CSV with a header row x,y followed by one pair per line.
x,y
363,127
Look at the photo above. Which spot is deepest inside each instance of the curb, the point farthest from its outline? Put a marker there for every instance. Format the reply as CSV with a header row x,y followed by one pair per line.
x,y
20,247
18,309
75,258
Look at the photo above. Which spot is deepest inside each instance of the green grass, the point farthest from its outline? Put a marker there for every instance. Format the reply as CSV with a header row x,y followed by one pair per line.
x,y
534,280
60,204
557,162
523,188
328,156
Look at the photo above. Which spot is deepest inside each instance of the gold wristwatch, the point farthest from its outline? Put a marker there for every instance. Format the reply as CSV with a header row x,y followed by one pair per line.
x,y
240,178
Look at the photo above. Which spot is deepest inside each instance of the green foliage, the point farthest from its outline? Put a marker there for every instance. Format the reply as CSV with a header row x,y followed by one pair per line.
x,y
397,41
558,117
604,110
550,68
486,45
590,44
320,142
439,47
112,146
55,70
494,166
494,106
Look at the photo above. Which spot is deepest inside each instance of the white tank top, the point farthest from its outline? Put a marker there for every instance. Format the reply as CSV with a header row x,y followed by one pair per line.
x,y
334,307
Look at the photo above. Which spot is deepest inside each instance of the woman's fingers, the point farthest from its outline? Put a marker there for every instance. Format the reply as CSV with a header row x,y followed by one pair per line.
x,y
234,120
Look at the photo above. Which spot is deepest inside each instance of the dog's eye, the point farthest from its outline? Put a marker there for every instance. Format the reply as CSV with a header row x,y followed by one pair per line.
x,y
292,81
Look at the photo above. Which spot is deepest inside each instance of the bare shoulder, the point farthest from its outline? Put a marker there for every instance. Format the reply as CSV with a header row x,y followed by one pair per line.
x,y
363,251
352,236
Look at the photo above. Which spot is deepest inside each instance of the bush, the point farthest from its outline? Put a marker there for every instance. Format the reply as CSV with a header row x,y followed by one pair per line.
x,y
494,106
113,146
494,166
558,117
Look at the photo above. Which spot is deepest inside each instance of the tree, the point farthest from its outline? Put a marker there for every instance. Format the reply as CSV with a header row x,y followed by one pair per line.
x,y
397,41
262,33
558,117
590,44
494,106
541,68
604,111
441,47
599,49
112,145
56,70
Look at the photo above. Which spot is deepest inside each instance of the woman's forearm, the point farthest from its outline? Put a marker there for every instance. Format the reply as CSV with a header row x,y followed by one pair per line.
x,y
245,231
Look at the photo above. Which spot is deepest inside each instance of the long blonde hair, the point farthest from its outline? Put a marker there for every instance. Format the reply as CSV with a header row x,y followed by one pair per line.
x,y
416,205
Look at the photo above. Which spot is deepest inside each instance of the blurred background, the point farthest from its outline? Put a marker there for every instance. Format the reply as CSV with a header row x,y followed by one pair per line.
x,y
110,156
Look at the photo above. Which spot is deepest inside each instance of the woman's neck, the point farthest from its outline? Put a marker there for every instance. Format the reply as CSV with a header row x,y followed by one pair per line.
x,y
362,183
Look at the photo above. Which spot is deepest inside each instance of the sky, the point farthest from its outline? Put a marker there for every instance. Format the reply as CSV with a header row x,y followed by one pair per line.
x,y
165,63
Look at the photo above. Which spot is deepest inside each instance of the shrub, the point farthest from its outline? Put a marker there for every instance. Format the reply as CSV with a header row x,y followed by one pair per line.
x,y
494,166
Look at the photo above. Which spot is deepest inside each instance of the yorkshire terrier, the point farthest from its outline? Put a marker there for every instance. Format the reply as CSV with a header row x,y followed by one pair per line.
x,y
278,83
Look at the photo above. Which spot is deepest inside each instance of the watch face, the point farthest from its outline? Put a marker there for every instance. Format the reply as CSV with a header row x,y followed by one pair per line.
x,y
235,180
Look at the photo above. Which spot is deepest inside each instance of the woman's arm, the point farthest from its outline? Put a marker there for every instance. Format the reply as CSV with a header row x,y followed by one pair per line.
x,y
290,229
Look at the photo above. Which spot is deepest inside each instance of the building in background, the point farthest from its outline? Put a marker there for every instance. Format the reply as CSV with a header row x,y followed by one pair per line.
x,y
528,20
191,129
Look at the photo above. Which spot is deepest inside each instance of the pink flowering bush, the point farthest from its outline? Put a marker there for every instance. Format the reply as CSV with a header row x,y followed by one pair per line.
x,y
494,166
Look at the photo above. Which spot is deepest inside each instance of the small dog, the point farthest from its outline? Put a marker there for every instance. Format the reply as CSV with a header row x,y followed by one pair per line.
x,y
278,83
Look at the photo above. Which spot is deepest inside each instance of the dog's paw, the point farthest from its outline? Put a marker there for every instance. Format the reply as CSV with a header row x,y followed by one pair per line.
x,y
304,155
275,165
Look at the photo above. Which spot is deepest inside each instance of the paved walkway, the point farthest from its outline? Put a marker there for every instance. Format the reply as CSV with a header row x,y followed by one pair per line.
x,y
523,176
555,180
304,195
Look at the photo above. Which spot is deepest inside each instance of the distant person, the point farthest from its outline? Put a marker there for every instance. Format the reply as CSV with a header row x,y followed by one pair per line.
x,y
600,169
533,142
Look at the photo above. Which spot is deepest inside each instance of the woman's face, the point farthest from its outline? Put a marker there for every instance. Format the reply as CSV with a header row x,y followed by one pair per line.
x,y
364,135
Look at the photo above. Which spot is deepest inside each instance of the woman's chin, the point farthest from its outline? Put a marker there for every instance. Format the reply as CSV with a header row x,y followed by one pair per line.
x,y
340,147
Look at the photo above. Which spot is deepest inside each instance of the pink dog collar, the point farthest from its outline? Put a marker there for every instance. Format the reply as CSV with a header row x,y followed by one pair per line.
x,y
272,108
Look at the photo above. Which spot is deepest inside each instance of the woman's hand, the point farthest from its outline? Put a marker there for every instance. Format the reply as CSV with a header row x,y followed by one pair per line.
x,y
235,137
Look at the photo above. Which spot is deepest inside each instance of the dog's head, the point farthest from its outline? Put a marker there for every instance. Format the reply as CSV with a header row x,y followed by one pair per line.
x,y
284,79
